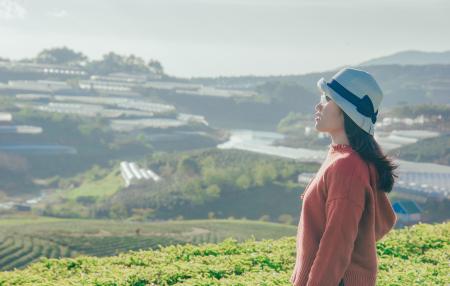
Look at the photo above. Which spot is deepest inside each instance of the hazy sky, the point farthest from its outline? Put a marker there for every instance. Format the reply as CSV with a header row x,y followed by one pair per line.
x,y
228,37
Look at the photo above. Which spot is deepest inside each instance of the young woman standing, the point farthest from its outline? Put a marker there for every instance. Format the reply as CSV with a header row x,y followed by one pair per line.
x,y
345,207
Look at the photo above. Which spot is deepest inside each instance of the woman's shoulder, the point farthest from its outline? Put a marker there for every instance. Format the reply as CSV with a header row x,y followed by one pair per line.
x,y
348,164
348,160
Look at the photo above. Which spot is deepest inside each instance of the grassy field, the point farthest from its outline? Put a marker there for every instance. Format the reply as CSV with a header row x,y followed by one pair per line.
x,y
417,255
25,240
103,187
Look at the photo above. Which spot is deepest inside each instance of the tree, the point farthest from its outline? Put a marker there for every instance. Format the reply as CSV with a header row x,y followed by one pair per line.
x,y
264,218
118,211
264,173
142,214
114,63
213,192
244,182
61,56
211,215
287,170
194,192
188,166
213,176
286,219
86,200
155,67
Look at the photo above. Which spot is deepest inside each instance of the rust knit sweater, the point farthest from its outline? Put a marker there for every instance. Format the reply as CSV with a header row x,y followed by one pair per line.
x,y
343,215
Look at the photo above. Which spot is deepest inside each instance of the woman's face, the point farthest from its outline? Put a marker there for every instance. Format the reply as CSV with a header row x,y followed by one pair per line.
x,y
328,117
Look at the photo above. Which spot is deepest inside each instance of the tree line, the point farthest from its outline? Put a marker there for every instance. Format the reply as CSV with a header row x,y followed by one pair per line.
x,y
109,63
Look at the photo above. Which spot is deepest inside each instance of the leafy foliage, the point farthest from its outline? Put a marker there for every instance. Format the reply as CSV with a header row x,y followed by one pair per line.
x,y
113,63
427,110
199,179
61,56
414,256
435,150
22,242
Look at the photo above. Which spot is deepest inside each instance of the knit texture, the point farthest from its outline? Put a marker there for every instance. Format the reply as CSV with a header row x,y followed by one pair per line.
x,y
342,216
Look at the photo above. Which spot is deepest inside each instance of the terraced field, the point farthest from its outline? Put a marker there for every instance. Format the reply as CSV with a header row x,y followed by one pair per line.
x,y
17,251
23,241
413,256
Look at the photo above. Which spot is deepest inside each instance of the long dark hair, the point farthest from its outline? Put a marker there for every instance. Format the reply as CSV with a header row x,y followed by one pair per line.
x,y
369,150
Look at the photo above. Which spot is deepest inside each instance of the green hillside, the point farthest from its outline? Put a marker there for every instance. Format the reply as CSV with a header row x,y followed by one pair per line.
x,y
195,184
436,150
411,57
417,255
24,240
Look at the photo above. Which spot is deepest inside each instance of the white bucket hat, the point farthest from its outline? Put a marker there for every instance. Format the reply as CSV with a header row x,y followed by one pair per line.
x,y
357,93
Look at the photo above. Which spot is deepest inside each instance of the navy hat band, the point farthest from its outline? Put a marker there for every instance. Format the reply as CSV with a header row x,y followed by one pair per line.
x,y
363,105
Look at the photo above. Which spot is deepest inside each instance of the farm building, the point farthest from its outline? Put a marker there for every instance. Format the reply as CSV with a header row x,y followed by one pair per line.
x,y
5,117
22,208
45,86
407,211
132,174
123,89
46,69
305,178
20,129
121,78
398,138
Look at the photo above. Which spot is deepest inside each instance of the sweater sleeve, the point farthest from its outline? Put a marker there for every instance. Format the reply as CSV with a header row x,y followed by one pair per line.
x,y
344,207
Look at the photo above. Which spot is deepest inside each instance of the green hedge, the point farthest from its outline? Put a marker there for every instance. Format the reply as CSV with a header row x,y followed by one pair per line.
x,y
418,255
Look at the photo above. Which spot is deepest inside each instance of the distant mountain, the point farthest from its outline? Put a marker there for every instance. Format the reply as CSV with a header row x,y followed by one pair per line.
x,y
411,58
401,84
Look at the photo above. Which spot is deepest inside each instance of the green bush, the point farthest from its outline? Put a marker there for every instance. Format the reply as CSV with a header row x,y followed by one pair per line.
x,y
417,255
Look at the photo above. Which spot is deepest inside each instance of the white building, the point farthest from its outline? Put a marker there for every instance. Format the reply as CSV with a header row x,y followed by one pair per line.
x,y
20,129
5,117
42,68
132,174
192,118
305,178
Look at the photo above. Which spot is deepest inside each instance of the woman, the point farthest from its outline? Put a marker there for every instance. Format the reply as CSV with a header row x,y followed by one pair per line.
x,y
345,208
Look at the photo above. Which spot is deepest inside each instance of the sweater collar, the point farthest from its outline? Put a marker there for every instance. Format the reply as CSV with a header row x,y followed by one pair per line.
x,y
339,147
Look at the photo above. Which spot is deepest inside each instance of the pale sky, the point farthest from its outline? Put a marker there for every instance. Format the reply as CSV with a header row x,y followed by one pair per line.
x,y
228,37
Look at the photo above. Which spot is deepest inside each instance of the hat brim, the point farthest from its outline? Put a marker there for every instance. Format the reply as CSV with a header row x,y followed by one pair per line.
x,y
362,121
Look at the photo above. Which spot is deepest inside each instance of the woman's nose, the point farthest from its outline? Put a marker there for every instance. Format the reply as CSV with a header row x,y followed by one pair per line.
x,y
318,106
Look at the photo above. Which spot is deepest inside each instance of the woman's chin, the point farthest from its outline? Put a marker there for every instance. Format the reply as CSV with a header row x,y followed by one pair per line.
x,y
317,127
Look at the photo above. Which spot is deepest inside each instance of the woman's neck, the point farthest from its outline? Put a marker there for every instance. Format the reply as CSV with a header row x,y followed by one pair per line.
x,y
339,138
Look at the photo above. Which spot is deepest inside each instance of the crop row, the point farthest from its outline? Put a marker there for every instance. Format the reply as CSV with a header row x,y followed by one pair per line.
x,y
417,255
18,251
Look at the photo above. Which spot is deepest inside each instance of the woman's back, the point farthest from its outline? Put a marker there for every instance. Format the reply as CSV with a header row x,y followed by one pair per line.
x,y
342,216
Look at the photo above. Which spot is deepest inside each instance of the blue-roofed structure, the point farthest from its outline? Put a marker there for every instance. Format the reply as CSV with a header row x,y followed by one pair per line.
x,y
407,211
